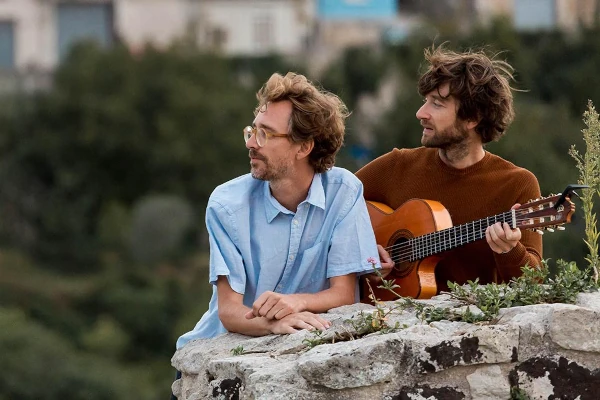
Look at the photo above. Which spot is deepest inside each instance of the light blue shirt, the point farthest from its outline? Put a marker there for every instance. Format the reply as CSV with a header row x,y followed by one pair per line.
x,y
259,245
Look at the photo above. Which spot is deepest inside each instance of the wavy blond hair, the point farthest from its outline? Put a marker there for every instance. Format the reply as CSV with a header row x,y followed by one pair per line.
x,y
317,115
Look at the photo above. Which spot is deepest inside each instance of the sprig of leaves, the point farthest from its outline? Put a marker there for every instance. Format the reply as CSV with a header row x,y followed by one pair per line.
x,y
238,350
588,165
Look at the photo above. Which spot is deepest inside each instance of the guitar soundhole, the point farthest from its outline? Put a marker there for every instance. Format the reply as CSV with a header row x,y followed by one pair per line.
x,y
400,252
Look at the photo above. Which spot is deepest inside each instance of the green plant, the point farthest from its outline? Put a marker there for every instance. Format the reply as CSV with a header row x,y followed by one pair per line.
x,y
316,340
533,287
238,350
518,394
588,165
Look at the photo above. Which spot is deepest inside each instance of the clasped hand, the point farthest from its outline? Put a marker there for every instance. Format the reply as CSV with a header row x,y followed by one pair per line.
x,y
287,313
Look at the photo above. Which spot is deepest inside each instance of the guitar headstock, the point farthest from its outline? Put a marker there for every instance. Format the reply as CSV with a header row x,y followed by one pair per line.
x,y
545,213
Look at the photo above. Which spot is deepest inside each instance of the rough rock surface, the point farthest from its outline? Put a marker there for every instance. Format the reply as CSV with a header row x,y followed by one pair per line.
x,y
547,351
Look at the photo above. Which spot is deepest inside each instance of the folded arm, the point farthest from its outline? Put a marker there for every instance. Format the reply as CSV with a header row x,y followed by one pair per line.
x,y
232,312
273,305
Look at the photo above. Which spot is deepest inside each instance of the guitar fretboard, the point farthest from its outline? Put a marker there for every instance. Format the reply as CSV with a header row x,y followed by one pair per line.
x,y
455,236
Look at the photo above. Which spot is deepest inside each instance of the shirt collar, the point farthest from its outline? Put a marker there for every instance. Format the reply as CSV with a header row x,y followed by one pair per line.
x,y
316,197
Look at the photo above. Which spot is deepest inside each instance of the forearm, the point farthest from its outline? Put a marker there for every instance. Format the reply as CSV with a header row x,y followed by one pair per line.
x,y
325,300
233,319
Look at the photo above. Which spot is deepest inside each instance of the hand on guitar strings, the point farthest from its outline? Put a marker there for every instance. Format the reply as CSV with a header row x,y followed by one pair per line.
x,y
385,260
501,237
386,266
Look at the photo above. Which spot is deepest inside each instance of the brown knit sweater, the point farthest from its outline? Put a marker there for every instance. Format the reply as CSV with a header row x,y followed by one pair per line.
x,y
489,187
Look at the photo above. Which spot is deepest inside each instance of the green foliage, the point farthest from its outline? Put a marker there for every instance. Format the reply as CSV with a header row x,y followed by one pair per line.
x,y
571,281
159,227
316,340
146,308
37,364
358,72
114,128
588,165
238,350
518,394
533,287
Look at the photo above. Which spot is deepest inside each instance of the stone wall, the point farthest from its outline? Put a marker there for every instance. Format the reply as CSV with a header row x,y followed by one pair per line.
x,y
546,351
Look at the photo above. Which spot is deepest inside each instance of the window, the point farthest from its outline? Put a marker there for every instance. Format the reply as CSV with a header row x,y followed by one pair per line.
x,y
83,21
535,14
263,33
7,45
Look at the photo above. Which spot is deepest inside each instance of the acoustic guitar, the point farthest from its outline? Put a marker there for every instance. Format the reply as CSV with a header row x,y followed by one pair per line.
x,y
419,230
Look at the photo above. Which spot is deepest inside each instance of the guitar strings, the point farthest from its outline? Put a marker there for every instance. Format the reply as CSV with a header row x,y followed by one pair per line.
x,y
402,252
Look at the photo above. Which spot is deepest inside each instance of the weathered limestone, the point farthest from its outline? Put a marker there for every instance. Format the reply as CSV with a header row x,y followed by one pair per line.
x,y
547,351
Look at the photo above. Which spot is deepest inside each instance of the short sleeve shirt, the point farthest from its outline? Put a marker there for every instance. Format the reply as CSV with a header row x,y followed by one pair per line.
x,y
261,246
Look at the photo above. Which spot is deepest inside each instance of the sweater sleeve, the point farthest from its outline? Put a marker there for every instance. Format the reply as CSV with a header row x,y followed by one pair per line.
x,y
529,249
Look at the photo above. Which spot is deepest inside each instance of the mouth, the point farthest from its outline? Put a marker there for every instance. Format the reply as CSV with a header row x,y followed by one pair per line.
x,y
427,128
255,156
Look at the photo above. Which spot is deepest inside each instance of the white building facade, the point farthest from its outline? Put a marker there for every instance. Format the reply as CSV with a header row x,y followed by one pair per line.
x,y
37,34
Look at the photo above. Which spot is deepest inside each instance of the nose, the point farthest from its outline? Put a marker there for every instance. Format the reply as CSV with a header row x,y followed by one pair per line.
x,y
252,143
421,113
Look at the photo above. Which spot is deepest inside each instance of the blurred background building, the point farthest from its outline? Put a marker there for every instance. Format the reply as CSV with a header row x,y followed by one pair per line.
x,y
36,34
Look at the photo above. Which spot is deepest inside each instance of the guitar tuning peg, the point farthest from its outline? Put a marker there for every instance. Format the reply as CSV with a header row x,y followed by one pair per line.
x,y
541,232
560,228
550,229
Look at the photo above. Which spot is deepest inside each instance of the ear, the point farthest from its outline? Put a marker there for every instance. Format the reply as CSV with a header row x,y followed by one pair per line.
x,y
471,124
305,149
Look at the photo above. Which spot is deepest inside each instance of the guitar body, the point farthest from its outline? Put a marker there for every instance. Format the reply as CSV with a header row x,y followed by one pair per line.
x,y
414,218
418,233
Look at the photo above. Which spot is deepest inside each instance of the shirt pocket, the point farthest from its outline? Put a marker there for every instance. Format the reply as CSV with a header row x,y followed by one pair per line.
x,y
312,272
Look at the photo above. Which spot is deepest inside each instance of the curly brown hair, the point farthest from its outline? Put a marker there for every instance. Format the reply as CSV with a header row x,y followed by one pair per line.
x,y
317,115
480,83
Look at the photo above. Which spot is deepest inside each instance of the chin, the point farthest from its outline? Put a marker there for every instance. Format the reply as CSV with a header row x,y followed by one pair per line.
x,y
257,174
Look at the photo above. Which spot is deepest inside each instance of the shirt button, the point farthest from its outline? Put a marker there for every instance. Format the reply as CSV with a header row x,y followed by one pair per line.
x,y
292,257
295,222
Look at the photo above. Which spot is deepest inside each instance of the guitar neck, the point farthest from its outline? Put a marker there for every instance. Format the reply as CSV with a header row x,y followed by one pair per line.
x,y
455,236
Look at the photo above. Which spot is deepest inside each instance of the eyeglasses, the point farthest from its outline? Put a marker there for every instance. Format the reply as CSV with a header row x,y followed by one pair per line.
x,y
261,135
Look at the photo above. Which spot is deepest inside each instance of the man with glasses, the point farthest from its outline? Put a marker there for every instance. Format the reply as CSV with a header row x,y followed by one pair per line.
x,y
288,240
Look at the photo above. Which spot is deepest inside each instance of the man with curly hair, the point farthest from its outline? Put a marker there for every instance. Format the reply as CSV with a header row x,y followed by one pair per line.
x,y
287,240
467,102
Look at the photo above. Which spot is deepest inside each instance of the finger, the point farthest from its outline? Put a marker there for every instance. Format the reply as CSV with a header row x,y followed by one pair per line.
x,y
493,231
326,323
279,308
491,238
282,313
516,206
250,315
502,238
292,325
284,327
316,321
262,306
267,307
507,232
511,235
384,256
258,303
